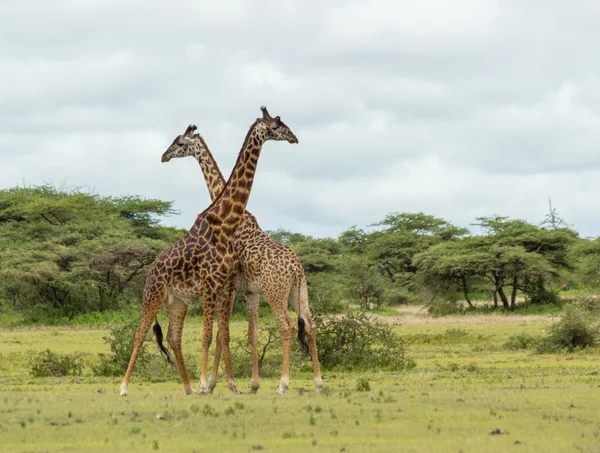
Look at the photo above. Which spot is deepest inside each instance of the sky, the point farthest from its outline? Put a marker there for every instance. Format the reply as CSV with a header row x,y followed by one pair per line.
x,y
457,109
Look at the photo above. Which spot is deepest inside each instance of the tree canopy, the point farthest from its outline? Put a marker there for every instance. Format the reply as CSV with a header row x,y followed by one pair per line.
x,y
72,251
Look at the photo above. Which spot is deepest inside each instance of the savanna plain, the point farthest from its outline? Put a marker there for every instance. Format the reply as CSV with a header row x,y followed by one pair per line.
x,y
467,391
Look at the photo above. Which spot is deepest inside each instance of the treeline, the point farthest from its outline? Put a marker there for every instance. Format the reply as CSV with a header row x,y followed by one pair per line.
x,y
73,252
417,258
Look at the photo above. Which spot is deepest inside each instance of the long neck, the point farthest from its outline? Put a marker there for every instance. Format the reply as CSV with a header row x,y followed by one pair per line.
x,y
230,205
213,176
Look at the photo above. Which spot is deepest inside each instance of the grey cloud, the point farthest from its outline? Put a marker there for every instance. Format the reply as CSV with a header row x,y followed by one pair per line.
x,y
457,109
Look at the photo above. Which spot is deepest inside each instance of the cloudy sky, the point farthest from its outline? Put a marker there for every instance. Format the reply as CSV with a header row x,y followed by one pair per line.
x,y
457,109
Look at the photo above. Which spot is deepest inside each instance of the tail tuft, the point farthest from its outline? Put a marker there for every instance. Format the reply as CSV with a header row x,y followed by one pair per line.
x,y
302,337
159,340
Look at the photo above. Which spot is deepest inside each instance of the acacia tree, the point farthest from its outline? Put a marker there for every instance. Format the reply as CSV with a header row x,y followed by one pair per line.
x,y
451,264
73,251
513,254
117,266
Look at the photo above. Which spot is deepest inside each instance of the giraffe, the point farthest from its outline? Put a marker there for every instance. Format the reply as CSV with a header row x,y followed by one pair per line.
x,y
266,265
203,262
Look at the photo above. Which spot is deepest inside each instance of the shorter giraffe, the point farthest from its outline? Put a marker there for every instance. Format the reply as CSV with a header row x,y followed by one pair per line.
x,y
203,262
266,265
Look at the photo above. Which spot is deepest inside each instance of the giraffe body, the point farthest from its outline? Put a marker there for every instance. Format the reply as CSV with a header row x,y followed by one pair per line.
x,y
265,265
204,263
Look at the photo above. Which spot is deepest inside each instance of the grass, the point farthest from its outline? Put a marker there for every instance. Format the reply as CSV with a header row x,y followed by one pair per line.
x,y
467,393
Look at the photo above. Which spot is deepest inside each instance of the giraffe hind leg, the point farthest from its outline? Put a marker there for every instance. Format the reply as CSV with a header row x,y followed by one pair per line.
x,y
150,309
311,332
177,310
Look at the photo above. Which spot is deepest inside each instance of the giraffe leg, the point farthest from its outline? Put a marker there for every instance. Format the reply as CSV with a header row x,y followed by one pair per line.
x,y
212,380
286,329
150,309
253,300
207,327
177,309
228,300
277,297
311,333
223,326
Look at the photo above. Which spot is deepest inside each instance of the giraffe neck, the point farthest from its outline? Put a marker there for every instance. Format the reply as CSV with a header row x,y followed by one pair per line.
x,y
228,208
213,176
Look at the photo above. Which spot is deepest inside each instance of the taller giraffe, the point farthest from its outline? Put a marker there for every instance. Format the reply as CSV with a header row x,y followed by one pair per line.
x,y
202,262
266,265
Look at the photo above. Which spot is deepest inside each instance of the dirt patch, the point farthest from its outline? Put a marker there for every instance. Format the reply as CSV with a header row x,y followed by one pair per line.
x,y
417,314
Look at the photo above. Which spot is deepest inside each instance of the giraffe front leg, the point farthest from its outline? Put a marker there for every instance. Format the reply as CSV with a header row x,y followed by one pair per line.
x,y
227,299
223,326
253,300
212,380
207,326
177,311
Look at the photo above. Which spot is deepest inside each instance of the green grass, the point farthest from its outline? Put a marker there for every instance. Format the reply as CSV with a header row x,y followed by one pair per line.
x,y
466,385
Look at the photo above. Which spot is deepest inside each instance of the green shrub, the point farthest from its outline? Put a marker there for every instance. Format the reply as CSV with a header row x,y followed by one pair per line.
x,y
363,385
589,303
520,341
148,366
536,292
577,329
357,341
269,353
120,341
444,307
48,363
400,296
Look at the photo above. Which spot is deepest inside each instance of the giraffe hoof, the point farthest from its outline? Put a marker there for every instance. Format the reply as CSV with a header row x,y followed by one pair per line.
x,y
203,391
123,391
280,391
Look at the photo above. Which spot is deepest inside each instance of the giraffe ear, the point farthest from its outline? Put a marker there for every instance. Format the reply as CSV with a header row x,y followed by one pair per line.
x,y
266,115
277,119
190,130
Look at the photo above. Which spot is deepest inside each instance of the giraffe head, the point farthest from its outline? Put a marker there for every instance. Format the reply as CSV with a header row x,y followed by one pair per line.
x,y
188,144
269,128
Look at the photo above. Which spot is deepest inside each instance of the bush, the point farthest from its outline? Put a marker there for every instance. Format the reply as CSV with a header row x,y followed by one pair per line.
x,y
444,307
325,293
520,341
589,303
400,296
48,363
121,340
577,329
536,293
363,385
356,341
269,353
148,366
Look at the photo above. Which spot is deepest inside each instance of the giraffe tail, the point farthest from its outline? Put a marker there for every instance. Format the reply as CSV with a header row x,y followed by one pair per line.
x,y
159,340
301,290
